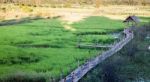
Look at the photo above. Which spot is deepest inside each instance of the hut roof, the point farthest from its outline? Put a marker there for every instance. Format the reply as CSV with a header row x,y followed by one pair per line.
x,y
132,18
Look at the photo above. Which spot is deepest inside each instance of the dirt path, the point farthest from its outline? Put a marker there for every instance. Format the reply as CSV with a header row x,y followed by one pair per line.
x,y
69,27
71,17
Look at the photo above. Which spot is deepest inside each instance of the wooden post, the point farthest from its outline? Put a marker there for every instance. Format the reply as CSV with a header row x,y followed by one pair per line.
x,y
51,79
78,63
65,79
73,75
69,68
61,75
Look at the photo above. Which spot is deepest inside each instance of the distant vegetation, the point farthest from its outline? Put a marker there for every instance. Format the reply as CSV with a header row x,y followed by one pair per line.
x,y
68,3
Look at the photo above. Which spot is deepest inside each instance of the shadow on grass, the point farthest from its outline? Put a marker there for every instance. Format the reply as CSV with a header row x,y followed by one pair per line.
x,y
21,59
18,21
23,20
145,18
39,46
23,78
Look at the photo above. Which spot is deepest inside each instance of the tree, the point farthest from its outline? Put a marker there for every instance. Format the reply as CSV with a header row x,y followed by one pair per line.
x,y
109,73
97,3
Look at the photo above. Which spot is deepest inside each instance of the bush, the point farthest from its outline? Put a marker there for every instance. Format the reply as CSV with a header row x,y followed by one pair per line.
x,y
26,9
21,59
53,6
2,18
21,77
3,10
68,5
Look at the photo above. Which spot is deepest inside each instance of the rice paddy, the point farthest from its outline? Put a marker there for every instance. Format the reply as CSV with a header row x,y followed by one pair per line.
x,y
43,47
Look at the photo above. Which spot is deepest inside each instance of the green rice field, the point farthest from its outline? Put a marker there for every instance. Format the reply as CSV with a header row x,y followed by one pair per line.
x,y
45,48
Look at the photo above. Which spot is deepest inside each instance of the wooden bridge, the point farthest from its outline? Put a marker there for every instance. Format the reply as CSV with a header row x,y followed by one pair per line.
x,y
78,73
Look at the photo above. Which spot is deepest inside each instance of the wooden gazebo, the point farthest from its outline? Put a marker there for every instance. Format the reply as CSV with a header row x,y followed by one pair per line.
x,y
132,20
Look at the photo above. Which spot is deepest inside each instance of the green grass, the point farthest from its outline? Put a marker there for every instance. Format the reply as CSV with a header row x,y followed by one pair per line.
x,y
144,20
99,24
45,47
100,39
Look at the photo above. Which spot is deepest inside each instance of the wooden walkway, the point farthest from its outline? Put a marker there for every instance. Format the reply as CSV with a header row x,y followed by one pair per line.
x,y
78,73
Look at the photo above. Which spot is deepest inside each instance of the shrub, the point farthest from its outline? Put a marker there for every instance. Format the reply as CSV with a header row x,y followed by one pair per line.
x,y
2,18
3,9
68,5
26,9
21,59
21,77
53,6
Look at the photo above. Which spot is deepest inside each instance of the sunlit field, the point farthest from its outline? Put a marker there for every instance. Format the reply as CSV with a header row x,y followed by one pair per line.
x,y
46,40
45,48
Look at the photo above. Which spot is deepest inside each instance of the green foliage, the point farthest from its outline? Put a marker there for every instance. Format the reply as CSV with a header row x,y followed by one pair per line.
x,y
2,18
3,9
26,8
67,5
144,20
127,68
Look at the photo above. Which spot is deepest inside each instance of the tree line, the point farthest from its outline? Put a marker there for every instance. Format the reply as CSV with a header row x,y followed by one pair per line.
x,y
80,2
